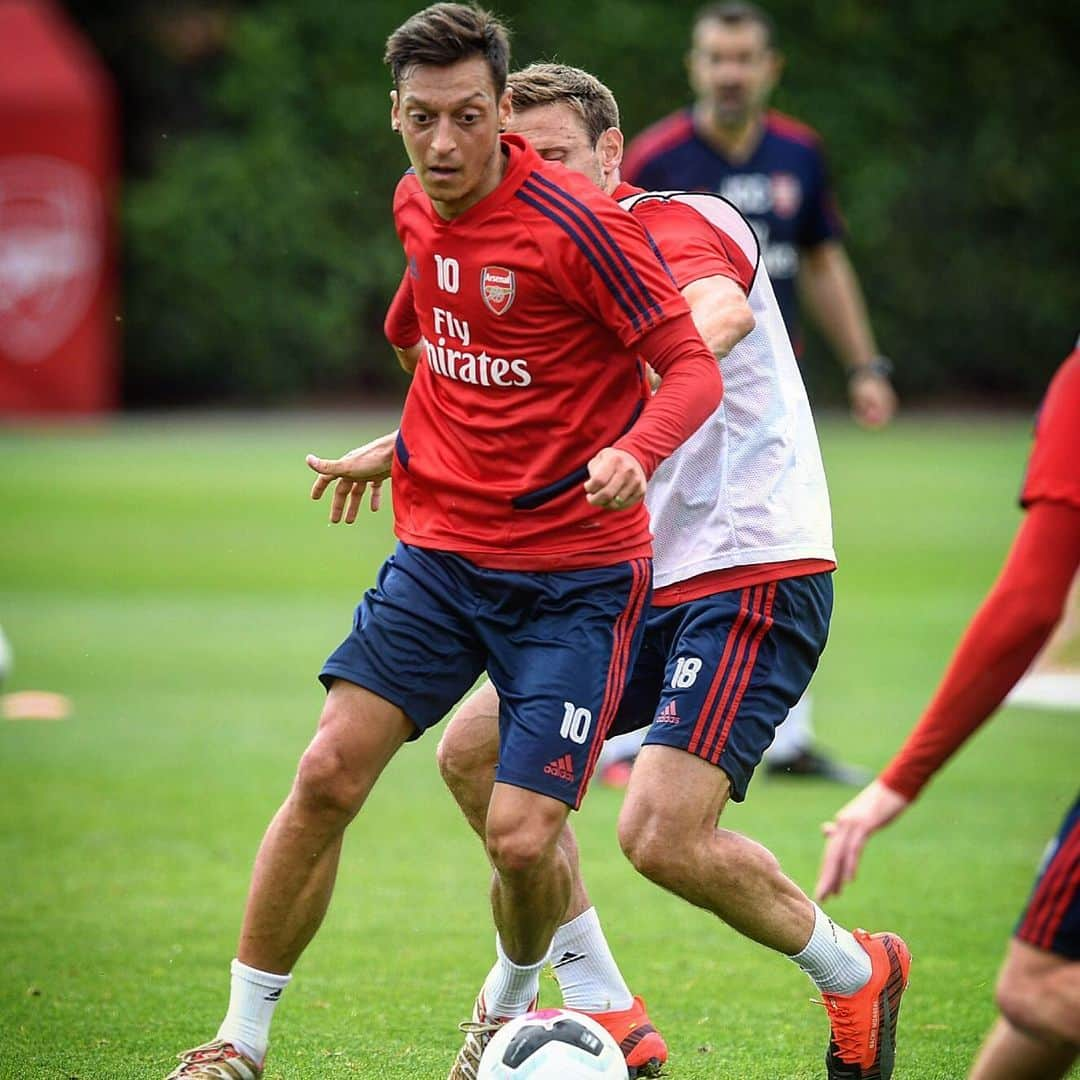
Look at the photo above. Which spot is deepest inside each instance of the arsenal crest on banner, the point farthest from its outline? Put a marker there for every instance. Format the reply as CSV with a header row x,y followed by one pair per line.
x,y
497,287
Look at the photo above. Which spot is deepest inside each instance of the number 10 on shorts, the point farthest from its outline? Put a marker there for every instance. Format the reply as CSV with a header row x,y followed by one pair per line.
x,y
575,723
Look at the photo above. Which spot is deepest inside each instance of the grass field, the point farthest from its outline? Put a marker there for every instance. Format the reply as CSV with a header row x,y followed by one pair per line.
x,y
172,578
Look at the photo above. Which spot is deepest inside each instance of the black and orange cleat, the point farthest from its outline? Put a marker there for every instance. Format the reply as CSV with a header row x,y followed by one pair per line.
x,y
863,1042
642,1045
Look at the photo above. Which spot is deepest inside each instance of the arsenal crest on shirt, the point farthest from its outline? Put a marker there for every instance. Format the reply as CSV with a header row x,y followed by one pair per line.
x,y
786,194
497,287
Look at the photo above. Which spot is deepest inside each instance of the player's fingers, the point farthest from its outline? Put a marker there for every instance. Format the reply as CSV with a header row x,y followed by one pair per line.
x,y
599,478
341,492
356,495
320,485
826,882
624,499
605,497
851,849
323,465
839,861
375,499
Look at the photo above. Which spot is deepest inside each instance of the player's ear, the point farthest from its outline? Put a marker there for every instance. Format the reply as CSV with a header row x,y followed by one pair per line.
x,y
609,148
506,107
395,115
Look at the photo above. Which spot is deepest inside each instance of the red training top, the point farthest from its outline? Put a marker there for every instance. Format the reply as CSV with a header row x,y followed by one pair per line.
x,y
534,305
1025,603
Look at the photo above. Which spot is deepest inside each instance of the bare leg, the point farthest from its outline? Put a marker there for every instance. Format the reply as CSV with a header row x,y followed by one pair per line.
x,y
467,755
1039,992
668,831
1009,1054
1038,1034
532,876
297,861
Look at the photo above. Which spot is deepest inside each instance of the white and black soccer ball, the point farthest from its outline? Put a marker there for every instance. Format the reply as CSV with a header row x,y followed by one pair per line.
x,y
552,1044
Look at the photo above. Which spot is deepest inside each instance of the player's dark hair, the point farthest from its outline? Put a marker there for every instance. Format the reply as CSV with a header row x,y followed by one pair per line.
x,y
738,13
551,84
443,34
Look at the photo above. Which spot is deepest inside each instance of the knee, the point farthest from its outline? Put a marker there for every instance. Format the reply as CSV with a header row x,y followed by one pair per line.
x,y
461,760
517,848
1016,998
652,845
325,784
469,747
335,774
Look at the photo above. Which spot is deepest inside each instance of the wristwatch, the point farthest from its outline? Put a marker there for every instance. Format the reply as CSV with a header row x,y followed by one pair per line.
x,y
880,367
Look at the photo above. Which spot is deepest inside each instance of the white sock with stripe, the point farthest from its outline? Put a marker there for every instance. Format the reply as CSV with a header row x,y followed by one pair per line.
x,y
510,988
835,961
253,997
586,971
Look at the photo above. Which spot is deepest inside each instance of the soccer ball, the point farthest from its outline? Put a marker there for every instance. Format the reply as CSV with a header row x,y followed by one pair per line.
x,y
552,1044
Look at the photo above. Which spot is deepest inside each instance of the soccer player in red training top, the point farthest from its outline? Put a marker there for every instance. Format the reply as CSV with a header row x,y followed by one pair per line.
x,y
735,629
772,167
520,468
1037,1036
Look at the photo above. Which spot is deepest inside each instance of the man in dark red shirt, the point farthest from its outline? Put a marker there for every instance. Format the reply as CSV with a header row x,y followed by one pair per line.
x,y
521,462
1038,1033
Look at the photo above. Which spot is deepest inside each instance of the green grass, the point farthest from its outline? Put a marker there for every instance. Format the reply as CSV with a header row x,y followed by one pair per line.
x,y
173,579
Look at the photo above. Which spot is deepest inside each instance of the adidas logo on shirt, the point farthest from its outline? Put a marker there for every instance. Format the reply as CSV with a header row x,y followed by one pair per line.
x,y
562,768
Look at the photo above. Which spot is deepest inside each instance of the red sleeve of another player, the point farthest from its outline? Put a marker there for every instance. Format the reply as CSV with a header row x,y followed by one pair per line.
x,y
691,246
1054,469
603,261
1002,639
401,327
689,393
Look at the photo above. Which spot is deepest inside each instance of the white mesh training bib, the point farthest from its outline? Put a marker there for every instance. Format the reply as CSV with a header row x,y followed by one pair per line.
x,y
748,486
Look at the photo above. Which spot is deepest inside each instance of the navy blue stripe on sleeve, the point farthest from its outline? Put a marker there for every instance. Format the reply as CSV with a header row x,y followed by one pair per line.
x,y
659,254
606,240
557,217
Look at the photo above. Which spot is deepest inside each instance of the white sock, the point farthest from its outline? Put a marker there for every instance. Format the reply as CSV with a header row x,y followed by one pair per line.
x,y
586,971
622,747
510,988
253,996
794,735
835,961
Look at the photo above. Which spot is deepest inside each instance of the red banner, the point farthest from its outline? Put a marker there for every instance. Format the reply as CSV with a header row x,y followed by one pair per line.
x,y
58,336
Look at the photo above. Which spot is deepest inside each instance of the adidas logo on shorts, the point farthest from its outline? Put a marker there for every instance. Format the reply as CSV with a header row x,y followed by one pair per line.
x,y
668,714
562,768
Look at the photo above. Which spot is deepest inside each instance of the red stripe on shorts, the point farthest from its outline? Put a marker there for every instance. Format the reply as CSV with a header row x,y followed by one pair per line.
x,y
748,669
1053,894
718,678
619,666
745,639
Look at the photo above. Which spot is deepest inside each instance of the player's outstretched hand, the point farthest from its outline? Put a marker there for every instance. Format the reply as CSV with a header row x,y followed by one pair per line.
x,y
873,399
366,466
616,480
846,835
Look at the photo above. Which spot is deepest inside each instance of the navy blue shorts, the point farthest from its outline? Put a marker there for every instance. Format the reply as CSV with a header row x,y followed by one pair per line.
x,y
558,647
1051,920
716,676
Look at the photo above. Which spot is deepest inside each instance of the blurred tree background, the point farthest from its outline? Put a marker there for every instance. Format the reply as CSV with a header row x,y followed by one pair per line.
x,y
258,244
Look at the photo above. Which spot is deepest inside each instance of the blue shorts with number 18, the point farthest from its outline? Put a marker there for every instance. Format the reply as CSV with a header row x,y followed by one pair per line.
x,y
716,676
559,648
